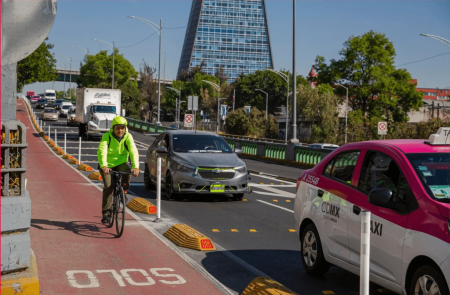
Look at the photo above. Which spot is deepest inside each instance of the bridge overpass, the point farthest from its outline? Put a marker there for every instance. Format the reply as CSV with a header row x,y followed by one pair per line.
x,y
65,75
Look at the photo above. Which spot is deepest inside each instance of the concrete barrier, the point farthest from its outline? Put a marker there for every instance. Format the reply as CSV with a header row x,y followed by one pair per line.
x,y
185,236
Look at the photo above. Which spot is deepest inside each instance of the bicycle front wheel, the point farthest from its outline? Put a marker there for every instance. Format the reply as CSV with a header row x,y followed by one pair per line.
x,y
120,213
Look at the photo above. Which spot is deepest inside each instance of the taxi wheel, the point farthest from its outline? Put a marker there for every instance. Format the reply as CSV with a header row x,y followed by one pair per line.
x,y
147,179
238,196
312,255
427,280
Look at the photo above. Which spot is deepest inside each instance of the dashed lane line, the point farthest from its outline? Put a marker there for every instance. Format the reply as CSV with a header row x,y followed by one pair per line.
x,y
275,185
279,193
267,203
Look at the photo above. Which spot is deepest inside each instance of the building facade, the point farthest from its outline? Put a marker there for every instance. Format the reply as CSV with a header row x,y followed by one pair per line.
x,y
232,34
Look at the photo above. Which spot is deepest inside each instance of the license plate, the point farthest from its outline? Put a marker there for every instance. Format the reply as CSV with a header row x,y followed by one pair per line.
x,y
217,188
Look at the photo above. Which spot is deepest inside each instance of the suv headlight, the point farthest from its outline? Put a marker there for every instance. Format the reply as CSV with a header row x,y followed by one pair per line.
x,y
187,169
241,170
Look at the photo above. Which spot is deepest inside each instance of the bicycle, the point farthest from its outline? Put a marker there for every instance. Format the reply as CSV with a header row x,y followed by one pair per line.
x,y
118,206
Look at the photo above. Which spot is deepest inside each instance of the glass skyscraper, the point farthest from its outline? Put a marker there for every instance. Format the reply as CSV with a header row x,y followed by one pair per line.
x,y
233,34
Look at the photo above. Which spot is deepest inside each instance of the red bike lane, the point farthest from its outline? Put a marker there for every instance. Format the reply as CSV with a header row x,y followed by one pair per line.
x,y
76,254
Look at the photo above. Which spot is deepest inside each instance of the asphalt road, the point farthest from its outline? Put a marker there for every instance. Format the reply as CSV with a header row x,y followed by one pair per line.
x,y
255,235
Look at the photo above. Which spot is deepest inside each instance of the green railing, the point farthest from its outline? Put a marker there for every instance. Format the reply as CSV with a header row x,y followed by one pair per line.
x,y
275,151
145,126
230,143
249,148
307,156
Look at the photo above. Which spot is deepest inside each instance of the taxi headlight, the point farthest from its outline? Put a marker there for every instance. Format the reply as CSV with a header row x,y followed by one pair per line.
x,y
241,170
187,169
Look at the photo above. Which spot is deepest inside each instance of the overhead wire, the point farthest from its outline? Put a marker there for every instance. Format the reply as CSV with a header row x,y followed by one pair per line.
x,y
138,42
423,59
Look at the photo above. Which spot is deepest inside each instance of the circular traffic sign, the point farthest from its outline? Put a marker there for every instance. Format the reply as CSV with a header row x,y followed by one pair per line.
x,y
188,118
382,126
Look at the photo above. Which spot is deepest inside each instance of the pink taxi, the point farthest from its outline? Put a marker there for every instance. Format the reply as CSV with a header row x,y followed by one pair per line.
x,y
405,186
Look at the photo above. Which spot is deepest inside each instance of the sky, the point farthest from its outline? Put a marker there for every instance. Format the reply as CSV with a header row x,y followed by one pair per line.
x,y
322,29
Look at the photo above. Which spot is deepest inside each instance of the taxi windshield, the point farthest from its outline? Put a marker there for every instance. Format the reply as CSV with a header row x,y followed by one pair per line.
x,y
433,171
200,144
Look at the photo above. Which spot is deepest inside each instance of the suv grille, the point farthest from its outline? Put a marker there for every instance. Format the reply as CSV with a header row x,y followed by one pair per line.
x,y
216,173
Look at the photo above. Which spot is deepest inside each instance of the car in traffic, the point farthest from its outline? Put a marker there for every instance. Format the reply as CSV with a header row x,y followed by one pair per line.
x,y
71,117
64,109
41,104
50,95
405,186
29,94
57,104
50,114
196,163
323,146
35,98
41,95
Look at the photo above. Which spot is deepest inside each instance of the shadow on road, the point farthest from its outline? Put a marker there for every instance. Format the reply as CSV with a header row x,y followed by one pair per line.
x,y
82,228
284,266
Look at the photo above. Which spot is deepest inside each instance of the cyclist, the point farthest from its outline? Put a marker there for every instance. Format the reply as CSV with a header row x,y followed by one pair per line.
x,y
114,149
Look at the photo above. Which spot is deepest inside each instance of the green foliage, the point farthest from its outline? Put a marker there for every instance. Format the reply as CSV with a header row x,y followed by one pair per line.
x,y
71,92
319,108
97,71
131,99
40,66
267,81
253,124
60,94
375,86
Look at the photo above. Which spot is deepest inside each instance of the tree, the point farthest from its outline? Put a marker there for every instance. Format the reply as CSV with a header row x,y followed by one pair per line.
x,y
188,75
267,81
376,87
148,92
131,99
221,75
319,108
253,124
40,66
97,71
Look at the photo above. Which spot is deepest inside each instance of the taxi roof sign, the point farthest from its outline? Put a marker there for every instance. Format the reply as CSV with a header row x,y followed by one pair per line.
x,y
440,137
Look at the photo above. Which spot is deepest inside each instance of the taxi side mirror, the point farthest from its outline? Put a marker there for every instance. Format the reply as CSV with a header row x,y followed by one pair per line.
x,y
238,151
381,197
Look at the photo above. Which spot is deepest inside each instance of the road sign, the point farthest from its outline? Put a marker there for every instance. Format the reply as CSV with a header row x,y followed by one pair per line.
x,y
382,128
193,103
247,109
223,111
189,120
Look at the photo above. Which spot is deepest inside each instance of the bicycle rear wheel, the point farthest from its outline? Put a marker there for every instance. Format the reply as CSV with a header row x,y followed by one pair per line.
x,y
120,213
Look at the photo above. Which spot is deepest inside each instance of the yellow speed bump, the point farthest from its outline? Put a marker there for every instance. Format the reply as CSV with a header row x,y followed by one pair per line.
x,y
142,205
266,286
84,167
57,149
26,281
95,176
66,156
73,161
60,152
184,236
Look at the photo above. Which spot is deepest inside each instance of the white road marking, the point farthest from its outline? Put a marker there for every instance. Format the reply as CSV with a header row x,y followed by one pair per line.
x,y
279,193
271,185
267,203
93,282
265,193
272,178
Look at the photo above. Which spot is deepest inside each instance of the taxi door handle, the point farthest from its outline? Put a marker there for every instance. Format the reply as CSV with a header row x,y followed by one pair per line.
x,y
320,193
356,210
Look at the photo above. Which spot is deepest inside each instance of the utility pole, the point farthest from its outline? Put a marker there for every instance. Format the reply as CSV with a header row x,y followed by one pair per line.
x,y
294,79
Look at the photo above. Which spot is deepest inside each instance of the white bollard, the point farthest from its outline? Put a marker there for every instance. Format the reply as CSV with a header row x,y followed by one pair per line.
x,y
79,153
56,139
364,270
49,133
65,151
158,188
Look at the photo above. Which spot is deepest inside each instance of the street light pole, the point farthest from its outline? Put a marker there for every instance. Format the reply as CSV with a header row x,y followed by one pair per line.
x,y
112,46
346,110
70,79
294,79
217,87
440,39
285,78
176,102
158,30
164,77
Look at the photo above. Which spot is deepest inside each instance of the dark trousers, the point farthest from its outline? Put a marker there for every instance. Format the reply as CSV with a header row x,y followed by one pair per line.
x,y
108,186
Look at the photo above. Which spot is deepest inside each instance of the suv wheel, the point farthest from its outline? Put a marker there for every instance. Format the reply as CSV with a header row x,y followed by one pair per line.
x,y
170,193
427,280
312,253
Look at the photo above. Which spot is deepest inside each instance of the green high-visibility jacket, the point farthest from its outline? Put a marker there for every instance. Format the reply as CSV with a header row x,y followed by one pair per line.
x,y
112,153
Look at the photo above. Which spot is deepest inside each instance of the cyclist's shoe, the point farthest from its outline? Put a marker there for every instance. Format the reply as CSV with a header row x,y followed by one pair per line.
x,y
105,218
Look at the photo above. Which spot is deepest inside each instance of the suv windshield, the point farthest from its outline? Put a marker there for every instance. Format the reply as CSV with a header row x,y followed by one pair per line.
x,y
200,144
433,171
50,94
49,111
105,109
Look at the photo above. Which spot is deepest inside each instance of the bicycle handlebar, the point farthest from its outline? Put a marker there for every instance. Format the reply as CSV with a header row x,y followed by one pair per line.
x,y
120,172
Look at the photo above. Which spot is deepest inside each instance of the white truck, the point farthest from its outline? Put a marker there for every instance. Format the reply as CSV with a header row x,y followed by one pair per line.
x,y
95,110
50,95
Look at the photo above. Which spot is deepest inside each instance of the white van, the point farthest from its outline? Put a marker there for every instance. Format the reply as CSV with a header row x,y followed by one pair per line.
x,y
50,95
